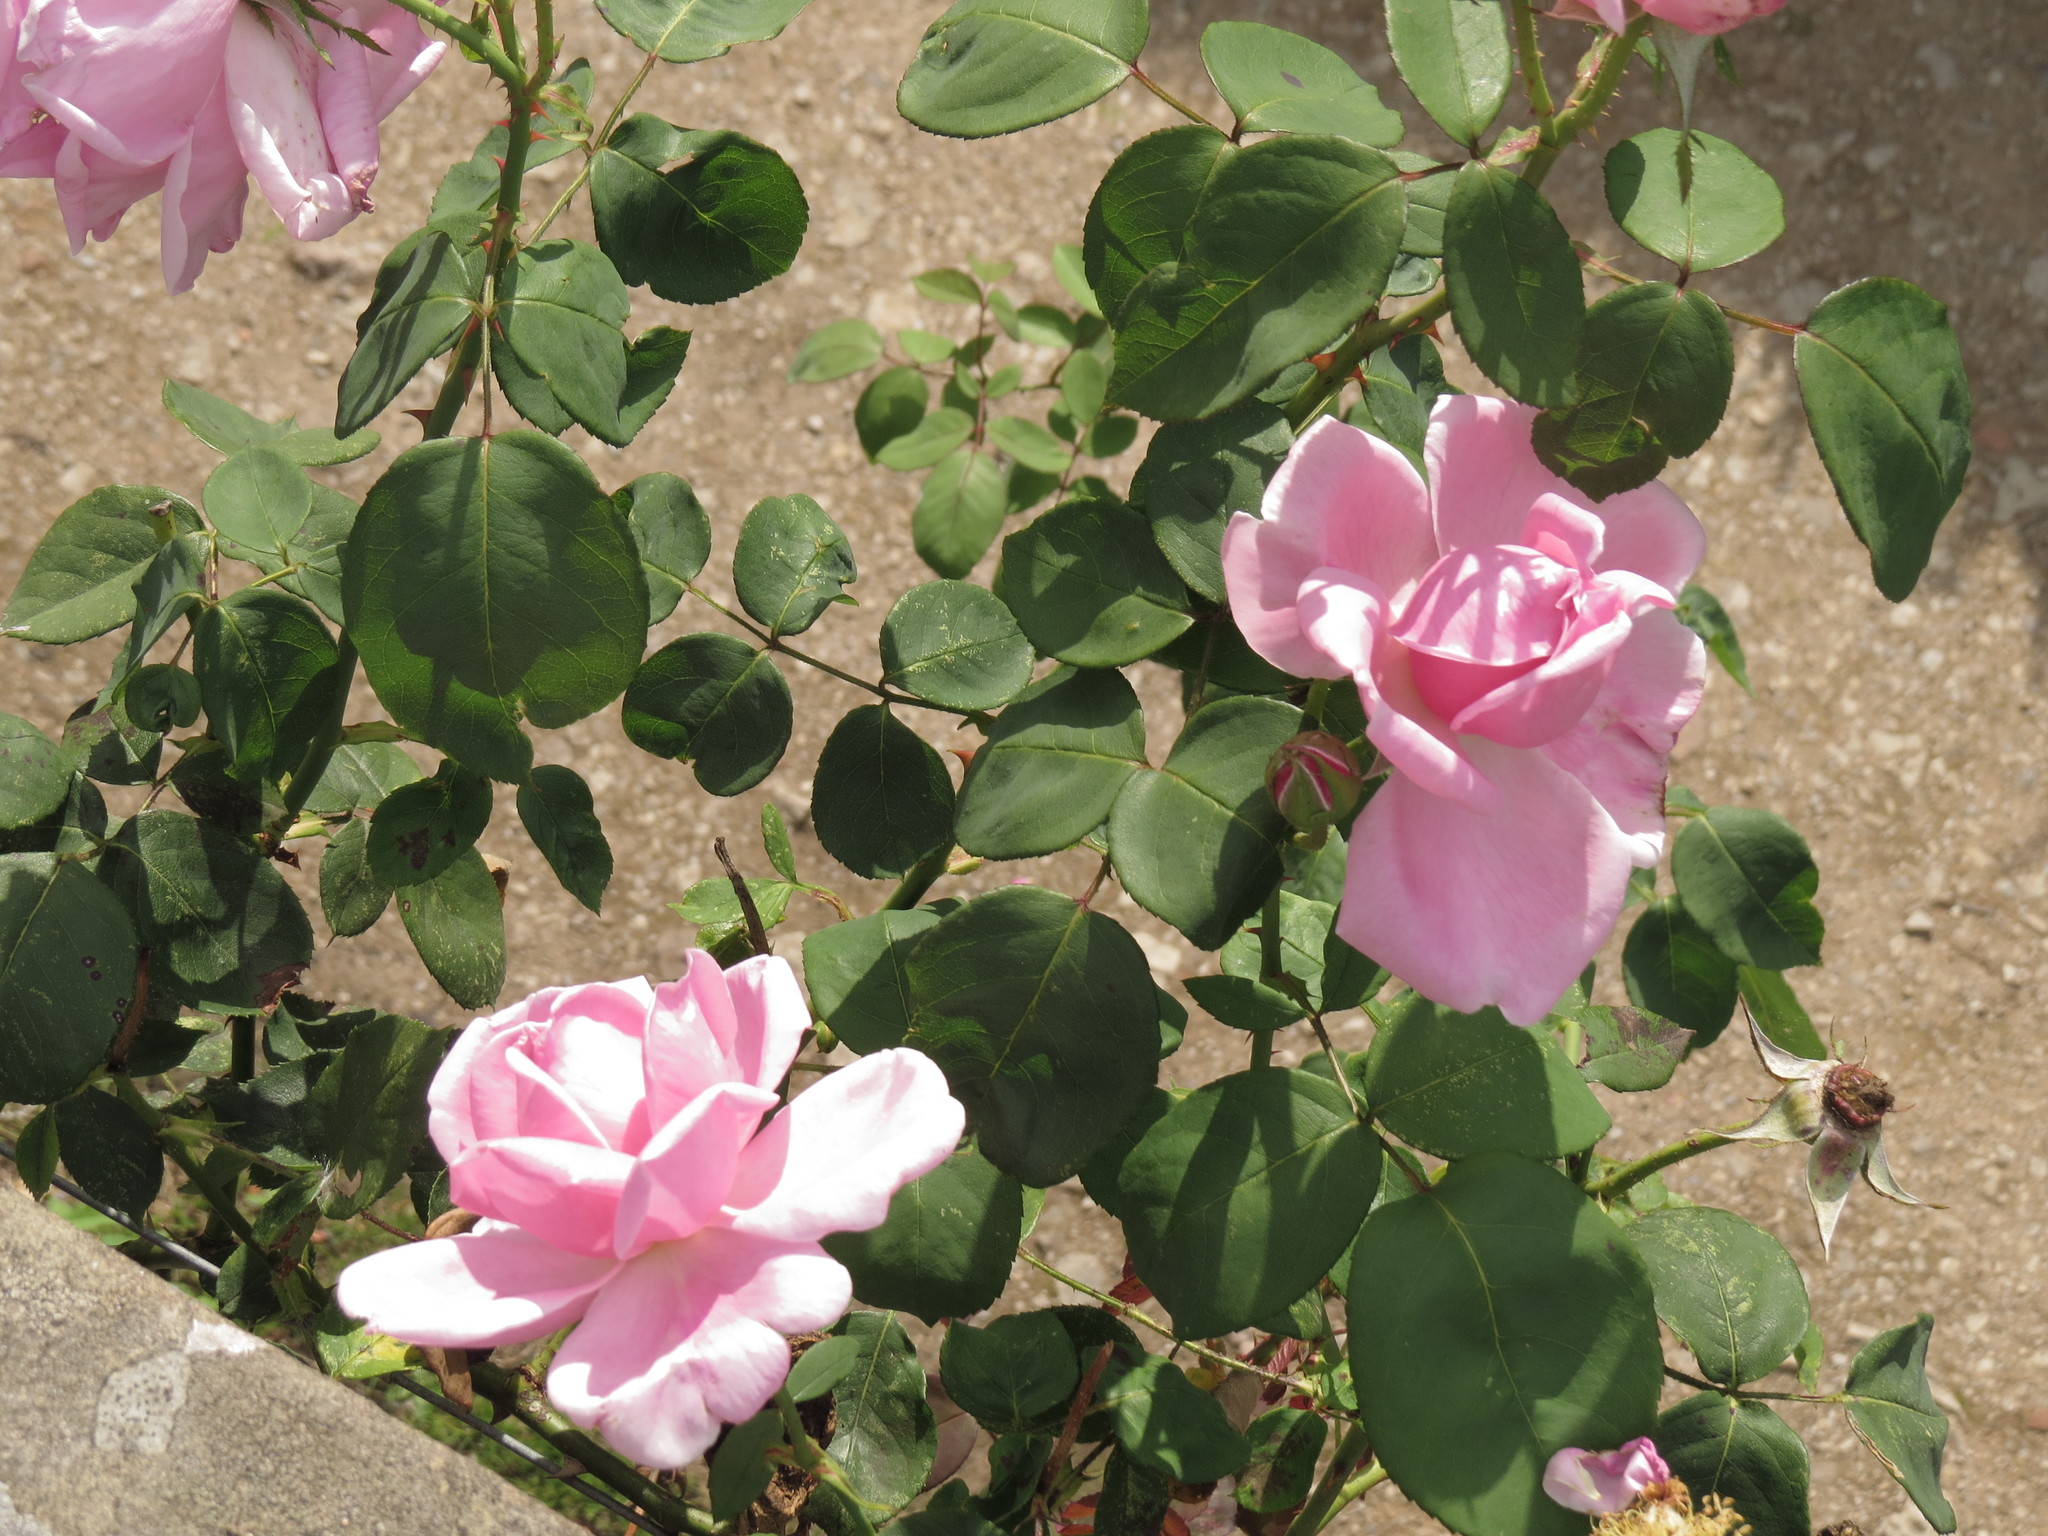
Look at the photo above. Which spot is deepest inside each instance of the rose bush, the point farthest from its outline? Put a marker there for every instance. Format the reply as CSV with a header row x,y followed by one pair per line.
x,y
116,99
1413,776
1707,18
1522,675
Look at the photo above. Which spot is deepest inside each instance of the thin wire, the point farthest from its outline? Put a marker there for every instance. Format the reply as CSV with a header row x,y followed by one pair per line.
x,y
519,1448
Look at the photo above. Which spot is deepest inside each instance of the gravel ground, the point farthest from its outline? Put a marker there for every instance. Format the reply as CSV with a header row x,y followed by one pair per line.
x,y
1904,741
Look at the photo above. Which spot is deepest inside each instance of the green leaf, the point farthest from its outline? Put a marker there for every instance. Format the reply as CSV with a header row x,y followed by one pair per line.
x,y
1133,1500
684,31
223,928
1459,1084
1728,1289
1882,378
371,1105
714,903
489,580
959,511
352,898
171,587
994,66
80,580
556,809
457,924
1069,265
259,498
882,798
1498,1317
1197,842
267,671
891,406
790,563
1693,199
1655,369
653,362
886,1437
1280,82
1513,277
947,285
1745,1453
1454,55
315,551
67,974
740,1469
561,309
34,776
1052,766
955,644
947,1244
431,299
775,841
1010,1374
1701,612
35,1153
1747,878
161,697
836,350
857,973
1196,473
1672,967
109,1151
1778,1013
1402,383
1285,1445
932,439
1140,213
1030,444
1090,587
1109,437
822,1367
1895,1415
714,702
1164,1421
1630,1052
1288,238
1046,1021
360,775
220,424
423,827
672,532
1271,1162
727,219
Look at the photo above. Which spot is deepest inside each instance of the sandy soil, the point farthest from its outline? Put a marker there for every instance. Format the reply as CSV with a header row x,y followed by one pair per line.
x,y
1905,741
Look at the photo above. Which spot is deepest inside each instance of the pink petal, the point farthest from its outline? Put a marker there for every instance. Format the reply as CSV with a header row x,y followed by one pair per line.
x,y
408,57
592,1046
485,1288
32,154
772,1017
204,191
832,1159
545,1108
1549,699
688,1337
684,1173
1264,566
17,107
270,78
94,190
1831,1167
1358,499
1605,1483
1492,605
1473,909
1708,17
1344,619
562,1193
1651,532
1621,745
1483,474
129,77
1565,531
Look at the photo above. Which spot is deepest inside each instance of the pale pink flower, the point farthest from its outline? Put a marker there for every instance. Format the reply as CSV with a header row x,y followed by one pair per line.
x,y
612,1137
1523,679
116,99
1705,17
1604,1483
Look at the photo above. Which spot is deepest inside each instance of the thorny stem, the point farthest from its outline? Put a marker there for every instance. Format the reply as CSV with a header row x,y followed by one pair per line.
x,y
809,1455
1587,258
1628,1175
1169,98
195,1175
534,1412
1101,874
1324,1503
1146,1320
1084,1399
922,876
474,39
1533,81
1740,1392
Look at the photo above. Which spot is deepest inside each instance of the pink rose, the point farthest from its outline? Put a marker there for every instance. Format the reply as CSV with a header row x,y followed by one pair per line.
x,y
1705,17
115,99
1606,1483
612,1136
1522,676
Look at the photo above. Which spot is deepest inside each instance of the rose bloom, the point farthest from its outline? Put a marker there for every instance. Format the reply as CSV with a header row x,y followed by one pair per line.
x,y
116,99
1604,1483
1705,17
1523,679
612,1138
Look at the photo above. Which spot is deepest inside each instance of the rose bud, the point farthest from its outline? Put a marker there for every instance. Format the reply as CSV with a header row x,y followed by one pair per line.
x,y
1315,781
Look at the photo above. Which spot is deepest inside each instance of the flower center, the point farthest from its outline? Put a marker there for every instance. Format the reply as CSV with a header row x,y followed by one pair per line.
x,y
1858,1095
1482,617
